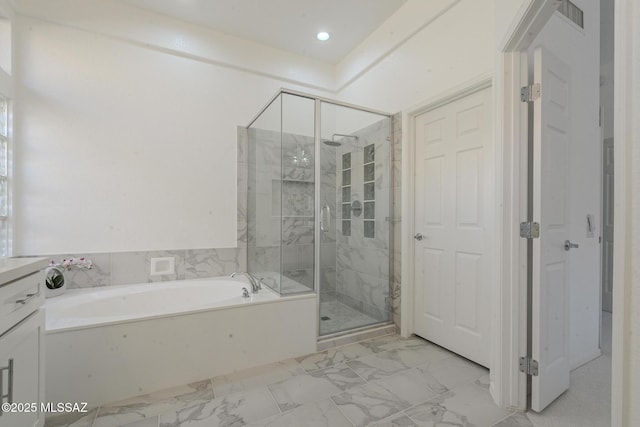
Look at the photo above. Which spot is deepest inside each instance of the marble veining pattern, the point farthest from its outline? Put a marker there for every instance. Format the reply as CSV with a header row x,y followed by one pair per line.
x,y
149,405
316,414
467,405
73,419
422,387
236,409
396,421
256,377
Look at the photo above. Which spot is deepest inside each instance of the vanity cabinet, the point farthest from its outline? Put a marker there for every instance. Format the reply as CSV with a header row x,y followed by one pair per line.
x,y
22,333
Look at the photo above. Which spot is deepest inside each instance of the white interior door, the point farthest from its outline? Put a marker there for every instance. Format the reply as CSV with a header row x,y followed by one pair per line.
x,y
607,225
550,299
453,215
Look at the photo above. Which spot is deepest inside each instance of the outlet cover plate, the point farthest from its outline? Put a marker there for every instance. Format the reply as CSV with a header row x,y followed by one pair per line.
x,y
163,266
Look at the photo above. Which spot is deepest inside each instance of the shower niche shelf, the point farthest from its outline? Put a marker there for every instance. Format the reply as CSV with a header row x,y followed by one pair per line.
x,y
306,181
292,198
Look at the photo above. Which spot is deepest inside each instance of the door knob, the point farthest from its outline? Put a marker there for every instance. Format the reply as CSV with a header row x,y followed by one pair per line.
x,y
568,245
418,236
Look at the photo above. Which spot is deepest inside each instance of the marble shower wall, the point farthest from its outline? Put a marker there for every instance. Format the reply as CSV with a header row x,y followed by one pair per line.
x,y
364,240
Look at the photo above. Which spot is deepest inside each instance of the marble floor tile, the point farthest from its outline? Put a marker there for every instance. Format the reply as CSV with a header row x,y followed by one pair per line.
x,y
148,405
386,381
516,420
301,389
452,372
334,356
316,414
378,365
341,376
256,377
147,422
396,421
369,403
389,342
395,360
232,410
74,419
467,405
410,385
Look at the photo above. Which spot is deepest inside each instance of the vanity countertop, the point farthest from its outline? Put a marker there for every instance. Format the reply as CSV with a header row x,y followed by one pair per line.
x,y
15,268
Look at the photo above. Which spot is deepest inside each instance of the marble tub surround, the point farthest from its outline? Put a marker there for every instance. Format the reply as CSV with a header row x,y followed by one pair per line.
x,y
324,389
122,268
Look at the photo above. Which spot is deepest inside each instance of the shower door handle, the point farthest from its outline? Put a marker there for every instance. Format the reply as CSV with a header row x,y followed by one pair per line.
x,y
326,209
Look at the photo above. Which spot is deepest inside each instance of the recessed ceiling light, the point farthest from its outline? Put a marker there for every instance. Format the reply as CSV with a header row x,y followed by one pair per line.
x,y
323,36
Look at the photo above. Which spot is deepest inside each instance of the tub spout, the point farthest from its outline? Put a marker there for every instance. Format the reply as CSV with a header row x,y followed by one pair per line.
x,y
255,283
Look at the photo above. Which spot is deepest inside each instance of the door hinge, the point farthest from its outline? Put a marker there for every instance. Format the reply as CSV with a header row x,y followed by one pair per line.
x,y
529,366
530,93
529,230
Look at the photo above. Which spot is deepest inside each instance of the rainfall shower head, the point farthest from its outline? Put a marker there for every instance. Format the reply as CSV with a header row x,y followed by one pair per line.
x,y
332,142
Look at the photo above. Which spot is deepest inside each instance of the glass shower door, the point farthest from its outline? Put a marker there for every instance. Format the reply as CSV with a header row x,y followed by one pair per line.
x,y
354,231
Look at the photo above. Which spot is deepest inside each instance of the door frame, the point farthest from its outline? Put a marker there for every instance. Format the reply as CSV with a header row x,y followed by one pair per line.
x,y
511,125
512,182
508,386
470,87
481,82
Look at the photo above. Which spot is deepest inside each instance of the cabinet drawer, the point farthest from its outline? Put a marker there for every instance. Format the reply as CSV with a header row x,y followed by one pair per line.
x,y
20,298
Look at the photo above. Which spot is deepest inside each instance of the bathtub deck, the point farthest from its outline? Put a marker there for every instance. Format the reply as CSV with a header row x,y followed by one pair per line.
x,y
405,379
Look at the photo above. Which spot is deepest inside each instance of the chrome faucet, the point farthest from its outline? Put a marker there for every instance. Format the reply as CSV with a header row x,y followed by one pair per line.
x,y
255,283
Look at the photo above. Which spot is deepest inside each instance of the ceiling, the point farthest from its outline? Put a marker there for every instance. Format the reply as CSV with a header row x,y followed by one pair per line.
x,y
285,24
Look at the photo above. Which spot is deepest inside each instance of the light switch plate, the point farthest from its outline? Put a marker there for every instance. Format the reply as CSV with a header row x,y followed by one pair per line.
x,y
591,226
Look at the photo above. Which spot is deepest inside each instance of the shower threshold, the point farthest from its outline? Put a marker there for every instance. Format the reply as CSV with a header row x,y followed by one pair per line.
x,y
355,335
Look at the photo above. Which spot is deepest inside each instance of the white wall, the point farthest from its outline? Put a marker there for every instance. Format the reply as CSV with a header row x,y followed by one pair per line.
x,y
455,48
124,145
138,113
6,37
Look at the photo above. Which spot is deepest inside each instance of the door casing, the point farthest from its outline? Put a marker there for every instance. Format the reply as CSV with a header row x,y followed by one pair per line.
x,y
508,386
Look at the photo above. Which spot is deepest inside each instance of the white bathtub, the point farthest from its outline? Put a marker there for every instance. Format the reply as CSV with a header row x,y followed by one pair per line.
x,y
110,343
113,304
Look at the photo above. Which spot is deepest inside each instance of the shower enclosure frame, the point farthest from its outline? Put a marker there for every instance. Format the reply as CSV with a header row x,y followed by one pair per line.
x,y
318,100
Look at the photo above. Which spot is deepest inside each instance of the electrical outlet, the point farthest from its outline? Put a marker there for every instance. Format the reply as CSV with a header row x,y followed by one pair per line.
x,y
163,266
